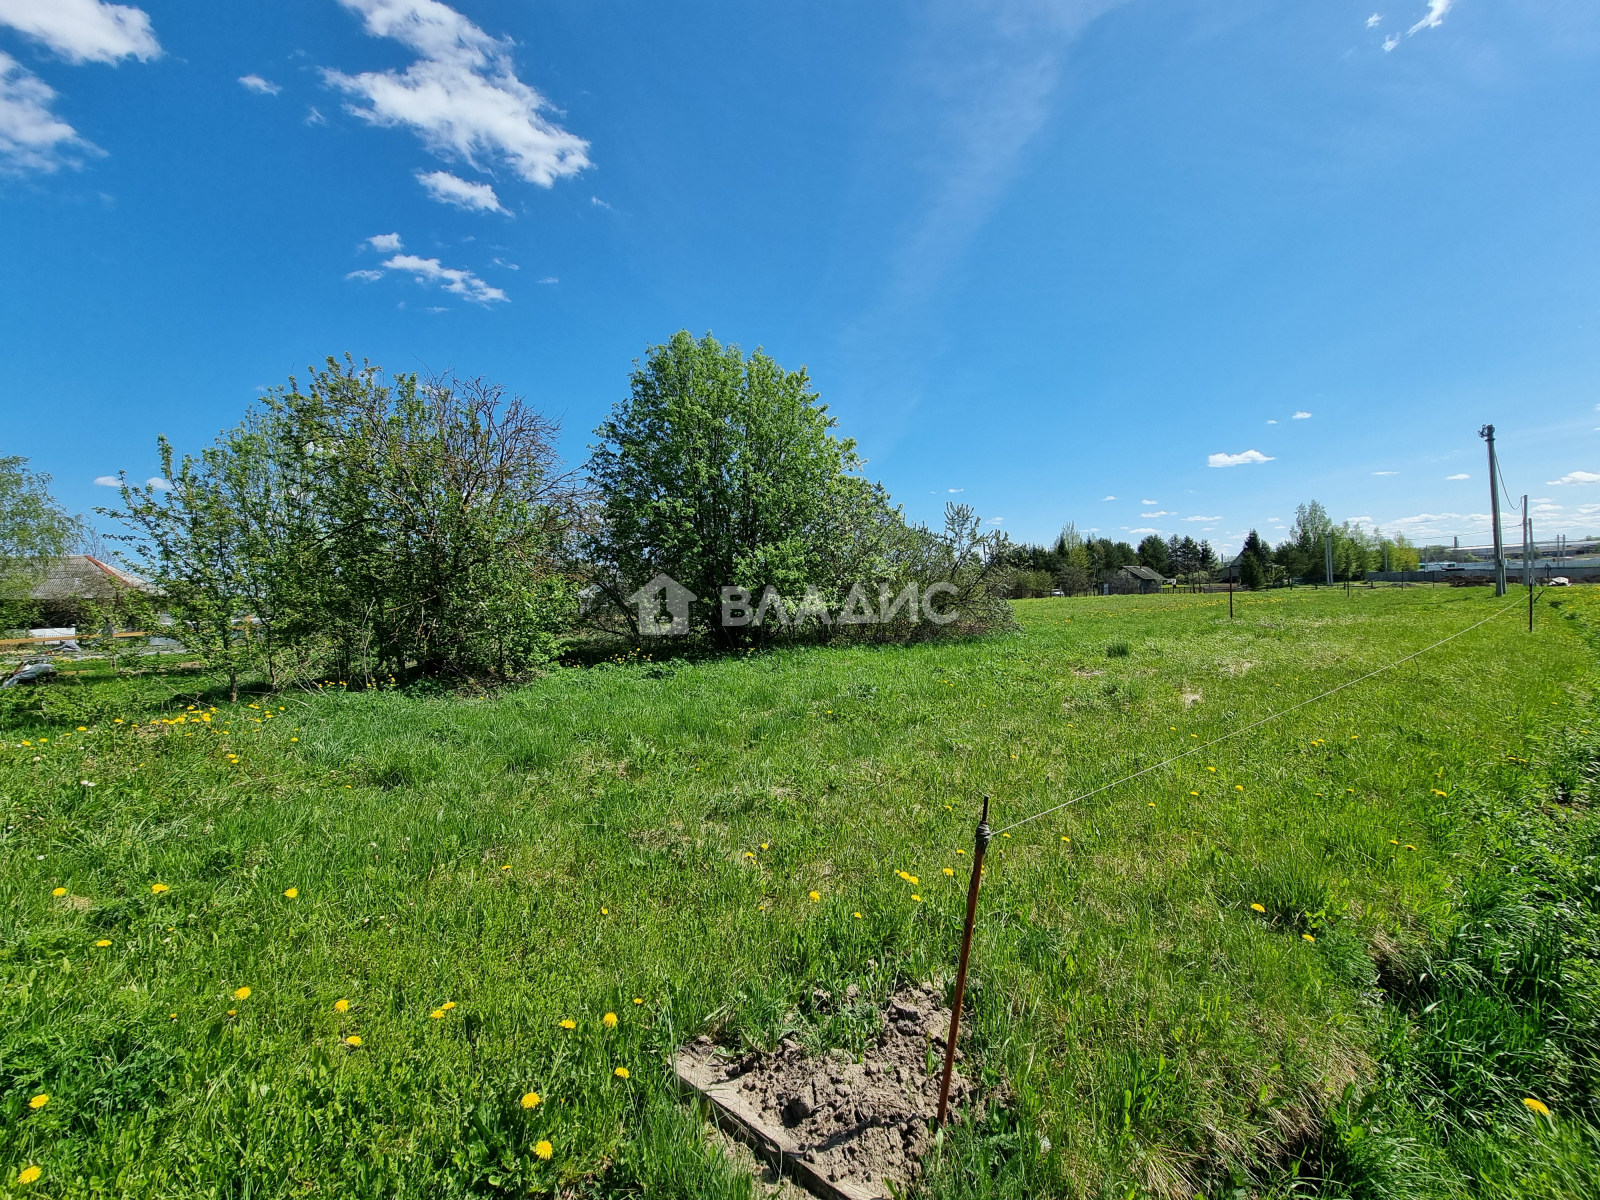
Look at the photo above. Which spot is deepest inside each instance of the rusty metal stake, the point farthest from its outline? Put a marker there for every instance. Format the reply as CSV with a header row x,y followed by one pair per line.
x,y
980,843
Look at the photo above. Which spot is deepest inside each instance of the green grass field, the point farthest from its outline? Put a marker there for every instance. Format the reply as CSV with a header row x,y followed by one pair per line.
x,y
697,846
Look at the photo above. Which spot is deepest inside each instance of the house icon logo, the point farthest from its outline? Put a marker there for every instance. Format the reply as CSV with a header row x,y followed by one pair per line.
x,y
649,600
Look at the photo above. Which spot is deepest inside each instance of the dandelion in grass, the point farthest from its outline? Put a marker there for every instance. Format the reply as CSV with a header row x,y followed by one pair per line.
x,y
605,912
341,1006
1258,908
1410,847
766,845
621,1072
530,1100
857,916
960,851
353,1041
569,1023
544,1150
609,1020
1213,770
242,993
102,943
437,1014
448,1005
233,1012
1308,937
29,1174
638,999
292,893
507,867
1151,804
950,871
1238,787
40,1100
59,892
1537,1106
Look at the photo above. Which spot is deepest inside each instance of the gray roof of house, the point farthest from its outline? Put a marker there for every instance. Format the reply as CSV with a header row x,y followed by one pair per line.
x,y
1148,573
83,577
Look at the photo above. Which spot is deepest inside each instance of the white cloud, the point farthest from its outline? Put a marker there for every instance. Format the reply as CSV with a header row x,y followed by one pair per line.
x,y
448,189
1302,415
107,481
1150,503
84,30
595,200
1575,477
369,276
1586,509
1103,499
32,138
453,279
1546,509
1386,472
1436,13
387,242
157,483
462,96
255,83
1209,518
550,279
313,117
995,520
510,266
1373,20
1390,42
956,489
1271,422
1237,460
1141,530
1162,513
1463,475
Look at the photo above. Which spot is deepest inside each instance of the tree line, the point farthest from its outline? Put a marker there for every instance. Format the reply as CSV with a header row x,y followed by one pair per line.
x,y
1075,564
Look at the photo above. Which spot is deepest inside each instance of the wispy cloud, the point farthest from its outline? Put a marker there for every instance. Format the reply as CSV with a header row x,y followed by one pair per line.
x,y
956,489
253,82
1574,477
1162,513
1141,529
156,483
455,280
449,189
32,137
599,203
462,97
550,279
314,116
1390,42
1271,422
1386,472
1436,14
1202,518
386,242
1149,503
83,31
1302,415
1237,460
1462,475
1373,20
107,481
1103,499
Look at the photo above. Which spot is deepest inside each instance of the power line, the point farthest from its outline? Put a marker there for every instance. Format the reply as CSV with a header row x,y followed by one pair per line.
x,y
1256,724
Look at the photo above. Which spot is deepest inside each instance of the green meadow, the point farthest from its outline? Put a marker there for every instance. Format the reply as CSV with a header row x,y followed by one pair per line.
x,y
1330,956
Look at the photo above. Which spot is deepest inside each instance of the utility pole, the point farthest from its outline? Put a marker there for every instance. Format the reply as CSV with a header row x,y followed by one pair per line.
x,y
1327,552
1487,434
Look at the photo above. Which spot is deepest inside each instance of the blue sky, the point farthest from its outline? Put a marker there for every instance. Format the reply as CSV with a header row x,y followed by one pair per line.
x,y
1054,259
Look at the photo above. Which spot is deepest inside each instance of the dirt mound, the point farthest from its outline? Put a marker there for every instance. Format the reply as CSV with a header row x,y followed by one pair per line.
x,y
842,1127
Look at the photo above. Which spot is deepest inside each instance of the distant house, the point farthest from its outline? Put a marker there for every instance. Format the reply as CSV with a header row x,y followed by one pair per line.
x,y
1129,581
76,580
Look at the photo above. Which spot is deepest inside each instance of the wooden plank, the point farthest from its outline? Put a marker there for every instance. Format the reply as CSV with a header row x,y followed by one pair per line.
x,y
731,1112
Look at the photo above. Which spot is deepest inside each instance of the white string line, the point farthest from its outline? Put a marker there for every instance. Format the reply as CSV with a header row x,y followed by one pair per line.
x,y
1255,724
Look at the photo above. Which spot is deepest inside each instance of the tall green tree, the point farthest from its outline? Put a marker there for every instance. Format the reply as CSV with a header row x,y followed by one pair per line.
x,y
1154,553
721,470
35,530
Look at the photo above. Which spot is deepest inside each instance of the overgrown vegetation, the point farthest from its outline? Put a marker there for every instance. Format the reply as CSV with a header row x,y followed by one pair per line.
x,y
1421,850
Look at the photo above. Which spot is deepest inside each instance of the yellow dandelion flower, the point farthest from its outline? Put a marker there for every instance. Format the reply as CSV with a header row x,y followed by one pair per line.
x,y
1258,908
949,871
749,854
1151,804
815,896
341,1006
1308,937
1394,841
960,851
1537,1106
507,867
448,1005
544,1150
569,1023
857,916
1238,787
605,912
621,1072
765,845
638,999
437,1014
1213,770
59,892
1409,846
292,893
353,1040
40,1100
609,1020
916,897
158,888
294,739
233,1012
29,1174
530,1100
102,943
242,993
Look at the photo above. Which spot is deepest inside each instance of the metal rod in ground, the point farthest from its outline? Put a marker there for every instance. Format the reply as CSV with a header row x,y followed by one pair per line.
x,y
980,843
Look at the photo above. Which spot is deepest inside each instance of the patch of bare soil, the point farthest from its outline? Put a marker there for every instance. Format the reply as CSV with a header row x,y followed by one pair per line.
x,y
842,1128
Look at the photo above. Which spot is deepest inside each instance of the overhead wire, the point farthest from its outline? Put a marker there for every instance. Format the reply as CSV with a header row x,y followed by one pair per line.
x,y
1257,724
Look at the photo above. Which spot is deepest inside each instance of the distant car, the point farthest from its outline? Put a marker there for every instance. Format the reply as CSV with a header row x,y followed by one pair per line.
x,y
1560,581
